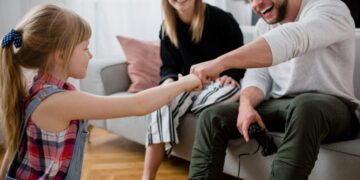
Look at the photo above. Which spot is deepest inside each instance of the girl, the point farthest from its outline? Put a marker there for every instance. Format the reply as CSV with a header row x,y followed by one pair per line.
x,y
45,133
191,33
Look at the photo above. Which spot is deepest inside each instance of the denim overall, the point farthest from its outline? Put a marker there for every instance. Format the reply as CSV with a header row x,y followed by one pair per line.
x,y
75,166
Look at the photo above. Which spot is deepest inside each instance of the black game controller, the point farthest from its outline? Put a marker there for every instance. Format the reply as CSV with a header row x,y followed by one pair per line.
x,y
265,140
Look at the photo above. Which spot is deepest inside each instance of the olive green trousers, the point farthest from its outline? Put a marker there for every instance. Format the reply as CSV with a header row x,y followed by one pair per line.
x,y
307,120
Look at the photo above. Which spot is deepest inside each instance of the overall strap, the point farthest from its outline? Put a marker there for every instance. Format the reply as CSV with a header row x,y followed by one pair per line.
x,y
40,96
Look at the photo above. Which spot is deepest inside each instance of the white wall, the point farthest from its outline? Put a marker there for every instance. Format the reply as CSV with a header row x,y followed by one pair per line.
x,y
11,12
133,18
108,18
8,18
238,8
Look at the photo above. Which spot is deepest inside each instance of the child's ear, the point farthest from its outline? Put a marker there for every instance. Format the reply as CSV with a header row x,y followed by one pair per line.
x,y
57,56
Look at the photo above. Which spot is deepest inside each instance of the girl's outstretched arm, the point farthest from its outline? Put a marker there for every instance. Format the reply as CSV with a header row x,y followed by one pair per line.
x,y
63,107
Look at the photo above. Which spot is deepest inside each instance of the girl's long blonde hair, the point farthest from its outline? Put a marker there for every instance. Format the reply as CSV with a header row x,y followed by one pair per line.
x,y
45,29
197,22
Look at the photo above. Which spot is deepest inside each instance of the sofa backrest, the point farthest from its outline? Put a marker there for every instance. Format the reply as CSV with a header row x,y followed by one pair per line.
x,y
248,36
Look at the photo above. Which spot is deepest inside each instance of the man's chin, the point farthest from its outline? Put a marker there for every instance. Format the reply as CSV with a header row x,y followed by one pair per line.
x,y
272,20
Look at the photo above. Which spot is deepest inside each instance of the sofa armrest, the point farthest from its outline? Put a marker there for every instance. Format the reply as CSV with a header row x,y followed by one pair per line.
x,y
105,77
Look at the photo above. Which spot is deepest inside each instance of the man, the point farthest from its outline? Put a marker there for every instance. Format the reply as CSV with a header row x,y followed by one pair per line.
x,y
307,93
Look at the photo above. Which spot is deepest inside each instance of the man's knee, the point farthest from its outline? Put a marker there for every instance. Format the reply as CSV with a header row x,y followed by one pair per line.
x,y
310,102
310,106
318,113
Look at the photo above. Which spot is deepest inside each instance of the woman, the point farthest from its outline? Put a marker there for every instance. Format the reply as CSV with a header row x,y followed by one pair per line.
x,y
192,32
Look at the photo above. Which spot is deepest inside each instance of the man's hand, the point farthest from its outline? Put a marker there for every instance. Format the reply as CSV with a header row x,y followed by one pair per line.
x,y
207,71
248,115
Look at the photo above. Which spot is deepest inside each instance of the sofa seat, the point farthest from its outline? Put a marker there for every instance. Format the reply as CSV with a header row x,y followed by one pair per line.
x,y
335,161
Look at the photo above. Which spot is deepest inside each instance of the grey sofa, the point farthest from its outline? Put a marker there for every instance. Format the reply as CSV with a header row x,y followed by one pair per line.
x,y
335,161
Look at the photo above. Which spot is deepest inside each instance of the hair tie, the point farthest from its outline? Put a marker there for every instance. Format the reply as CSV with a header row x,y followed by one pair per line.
x,y
12,36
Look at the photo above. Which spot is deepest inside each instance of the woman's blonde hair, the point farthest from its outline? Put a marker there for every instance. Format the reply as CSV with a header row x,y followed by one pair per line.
x,y
44,30
197,22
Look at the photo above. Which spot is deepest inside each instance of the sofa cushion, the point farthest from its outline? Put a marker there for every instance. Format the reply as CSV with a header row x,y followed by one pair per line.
x,y
144,62
350,147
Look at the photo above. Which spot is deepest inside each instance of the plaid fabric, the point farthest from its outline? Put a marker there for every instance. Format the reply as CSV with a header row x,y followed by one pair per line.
x,y
42,154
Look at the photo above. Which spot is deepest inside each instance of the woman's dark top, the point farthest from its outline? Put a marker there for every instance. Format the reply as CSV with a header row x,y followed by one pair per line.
x,y
354,10
221,34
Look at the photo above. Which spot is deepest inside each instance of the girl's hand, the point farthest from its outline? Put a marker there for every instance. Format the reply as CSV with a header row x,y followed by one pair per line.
x,y
207,71
226,80
193,83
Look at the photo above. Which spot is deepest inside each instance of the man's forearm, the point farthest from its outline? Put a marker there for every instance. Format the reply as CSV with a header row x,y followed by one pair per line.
x,y
251,96
254,54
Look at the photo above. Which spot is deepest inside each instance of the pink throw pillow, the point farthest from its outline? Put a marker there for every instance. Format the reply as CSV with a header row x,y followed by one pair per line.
x,y
144,62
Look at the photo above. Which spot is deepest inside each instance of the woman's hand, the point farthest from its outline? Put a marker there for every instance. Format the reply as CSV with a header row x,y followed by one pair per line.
x,y
227,80
167,81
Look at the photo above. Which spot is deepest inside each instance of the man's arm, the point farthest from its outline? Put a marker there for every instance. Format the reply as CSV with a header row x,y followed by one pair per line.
x,y
254,54
249,99
258,51
321,25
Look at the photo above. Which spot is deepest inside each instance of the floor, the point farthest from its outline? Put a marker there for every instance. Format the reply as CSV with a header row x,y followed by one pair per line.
x,y
110,157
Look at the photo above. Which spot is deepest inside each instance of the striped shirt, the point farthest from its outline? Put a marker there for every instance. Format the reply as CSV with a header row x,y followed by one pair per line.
x,y
163,123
